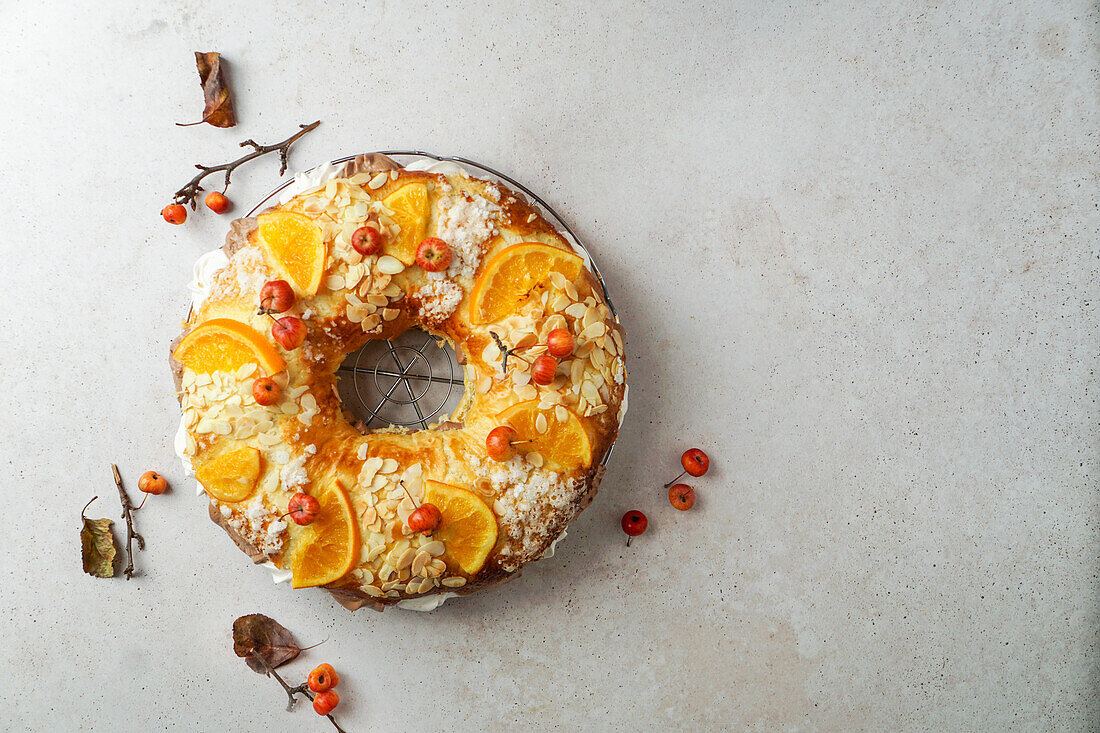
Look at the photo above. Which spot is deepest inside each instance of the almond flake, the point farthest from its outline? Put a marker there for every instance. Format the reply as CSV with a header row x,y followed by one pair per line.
x,y
590,392
558,279
540,423
389,314
526,392
390,265
454,582
576,310
596,329
535,459
378,181
389,465
434,548
334,282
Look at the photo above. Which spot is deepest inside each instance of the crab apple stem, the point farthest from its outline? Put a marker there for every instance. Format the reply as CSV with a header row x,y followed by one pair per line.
x,y
628,539
670,483
519,442
139,506
417,506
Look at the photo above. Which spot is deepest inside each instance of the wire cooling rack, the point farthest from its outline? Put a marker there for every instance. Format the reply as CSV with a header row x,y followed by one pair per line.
x,y
410,380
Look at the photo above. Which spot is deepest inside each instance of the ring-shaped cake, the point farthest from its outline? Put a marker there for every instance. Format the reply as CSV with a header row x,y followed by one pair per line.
x,y
263,425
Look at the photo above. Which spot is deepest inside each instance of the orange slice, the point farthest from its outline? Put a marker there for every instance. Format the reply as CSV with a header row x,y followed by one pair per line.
x,y
565,446
295,248
514,274
409,205
231,476
468,529
225,345
328,548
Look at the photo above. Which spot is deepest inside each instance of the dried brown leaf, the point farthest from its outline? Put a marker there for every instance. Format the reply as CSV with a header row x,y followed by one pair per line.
x,y
257,637
97,546
215,91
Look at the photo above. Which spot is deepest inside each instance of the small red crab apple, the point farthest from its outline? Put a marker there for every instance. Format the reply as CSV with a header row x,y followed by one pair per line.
x,y
681,496
501,441
153,483
276,296
559,343
322,678
325,702
543,369
289,331
634,523
303,508
694,461
174,213
216,202
266,391
366,240
425,518
433,255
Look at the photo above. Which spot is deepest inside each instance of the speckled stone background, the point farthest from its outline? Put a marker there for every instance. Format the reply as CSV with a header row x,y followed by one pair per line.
x,y
856,249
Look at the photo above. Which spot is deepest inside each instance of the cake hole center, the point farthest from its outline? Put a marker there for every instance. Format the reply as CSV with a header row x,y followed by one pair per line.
x,y
411,381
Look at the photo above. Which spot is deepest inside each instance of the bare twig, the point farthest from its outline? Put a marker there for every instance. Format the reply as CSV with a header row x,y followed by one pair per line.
x,y
505,353
189,193
128,515
301,689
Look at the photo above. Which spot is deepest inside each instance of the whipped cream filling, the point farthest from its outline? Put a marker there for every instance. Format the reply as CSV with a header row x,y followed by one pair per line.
x,y
202,277
424,604
278,575
314,177
553,545
208,265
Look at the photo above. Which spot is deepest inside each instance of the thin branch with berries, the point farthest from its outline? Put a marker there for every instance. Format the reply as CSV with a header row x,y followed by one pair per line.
x,y
505,352
128,510
302,689
189,193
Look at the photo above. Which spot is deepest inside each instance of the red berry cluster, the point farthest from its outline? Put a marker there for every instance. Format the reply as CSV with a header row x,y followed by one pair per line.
x,y
321,680
276,296
681,496
216,201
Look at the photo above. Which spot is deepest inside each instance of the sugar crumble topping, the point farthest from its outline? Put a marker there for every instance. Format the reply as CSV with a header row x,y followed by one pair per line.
x,y
438,299
466,223
527,498
293,473
259,524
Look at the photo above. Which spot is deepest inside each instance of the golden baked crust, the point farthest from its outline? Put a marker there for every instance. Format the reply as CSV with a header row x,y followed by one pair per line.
x,y
307,439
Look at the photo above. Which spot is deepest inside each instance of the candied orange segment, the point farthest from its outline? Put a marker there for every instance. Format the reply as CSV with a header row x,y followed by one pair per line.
x,y
232,476
468,529
295,247
328,548
563,444
409,205
514,274
225,345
